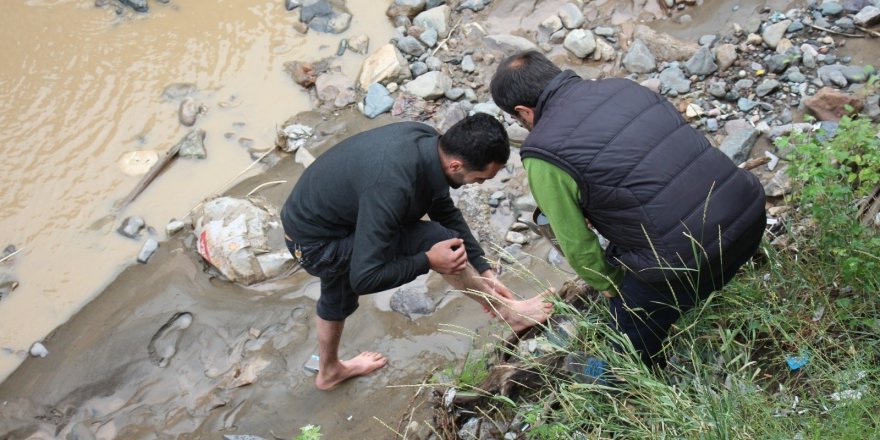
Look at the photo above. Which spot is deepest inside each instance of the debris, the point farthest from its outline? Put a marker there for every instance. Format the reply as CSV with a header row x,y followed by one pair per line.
x,y
38,350
312,364
797,362
149,177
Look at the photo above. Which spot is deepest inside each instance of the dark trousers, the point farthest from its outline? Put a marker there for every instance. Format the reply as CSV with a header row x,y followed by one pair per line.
x,y
645,312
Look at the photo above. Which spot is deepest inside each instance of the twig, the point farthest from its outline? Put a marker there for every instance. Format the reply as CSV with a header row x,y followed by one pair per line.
x,y
868,31
256,161
835,32
260,186
148,178
9,256
754,163
448,36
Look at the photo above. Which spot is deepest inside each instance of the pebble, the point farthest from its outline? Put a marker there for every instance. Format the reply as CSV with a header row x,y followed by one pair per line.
x,y
131,226
147,250
38,350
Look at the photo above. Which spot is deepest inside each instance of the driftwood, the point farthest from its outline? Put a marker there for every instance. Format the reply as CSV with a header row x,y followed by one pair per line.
x,y
869,208
754,163
148,178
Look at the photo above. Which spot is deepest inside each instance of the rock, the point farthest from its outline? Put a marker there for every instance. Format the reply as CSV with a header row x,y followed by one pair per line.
x,y
473,5
830,105
672,78
292,4
406,8
571,16
336,23
418,69
580,42
488,108
550,25
131,227
293,137
302,73
867,17
314,8
507,44
188,112
795,26
467,64
725,56
604,51
711,124
516,133
429,37
385,65
410,46
137,163
701,63
793,74
192,145
766,87
359,44
137,5
855,74
454,94
433,63
652,83
872,107
746,105
639,58
664,47
525,203
778,63
831,8
707,40
429,86
449,114
378,101
717,89
773,33
176,91
780,184
173,227
514,237
38,350
738,144
435,18
147,250
412,303
693,111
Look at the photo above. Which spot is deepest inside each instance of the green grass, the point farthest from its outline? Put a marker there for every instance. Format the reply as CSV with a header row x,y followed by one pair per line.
x,y
813,293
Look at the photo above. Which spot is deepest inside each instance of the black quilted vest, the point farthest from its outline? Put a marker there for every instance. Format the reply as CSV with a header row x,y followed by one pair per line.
x,y
650,183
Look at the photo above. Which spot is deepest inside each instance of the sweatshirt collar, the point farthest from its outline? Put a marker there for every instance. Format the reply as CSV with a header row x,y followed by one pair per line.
x,y
430,157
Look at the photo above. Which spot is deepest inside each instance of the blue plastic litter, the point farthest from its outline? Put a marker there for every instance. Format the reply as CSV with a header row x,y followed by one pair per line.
x,y
797,362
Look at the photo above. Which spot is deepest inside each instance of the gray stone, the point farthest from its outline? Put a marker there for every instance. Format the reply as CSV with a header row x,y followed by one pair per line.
x,y
359,44
773,33
410,46
131,226
550,24
516,237
869,16
467,64
853,6
738,145
430,4
604,51
845,23
778,63
292,4
853,74
489,108
795,26
725,56
429,37
193,145
454,94
525,203
429,86
581,43
708,40
639,58
831,8
173,227
406,8
663,46
604,31
673,79
711,124
652,83
418,69
433,63
137,5
746,105
701,63
336,23
335,88
435,18
785,116
147,251
314,8
743,84
780,184
473,5
718,89
508,44
378,101
766,87
872,107
412,303
571,16
517,133
794,75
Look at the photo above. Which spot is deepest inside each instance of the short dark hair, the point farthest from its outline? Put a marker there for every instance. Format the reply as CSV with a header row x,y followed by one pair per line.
x,y
520,80
477,141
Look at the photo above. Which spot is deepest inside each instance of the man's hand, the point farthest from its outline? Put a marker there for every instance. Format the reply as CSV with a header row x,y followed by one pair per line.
x,y
448,257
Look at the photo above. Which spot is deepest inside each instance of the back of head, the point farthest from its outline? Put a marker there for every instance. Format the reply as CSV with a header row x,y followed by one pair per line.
x,y
477,141
520,79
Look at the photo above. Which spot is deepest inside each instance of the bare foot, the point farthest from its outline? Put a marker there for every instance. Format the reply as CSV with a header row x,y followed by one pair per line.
x,y
360,365
520,315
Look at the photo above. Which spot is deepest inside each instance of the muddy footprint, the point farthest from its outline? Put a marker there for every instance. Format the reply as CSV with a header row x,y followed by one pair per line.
x,y
164,343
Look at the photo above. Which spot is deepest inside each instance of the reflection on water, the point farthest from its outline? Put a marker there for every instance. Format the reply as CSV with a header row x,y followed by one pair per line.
x,y
81,86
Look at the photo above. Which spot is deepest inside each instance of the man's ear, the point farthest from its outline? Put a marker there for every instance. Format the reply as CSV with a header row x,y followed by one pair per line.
x,y
525,113
454,165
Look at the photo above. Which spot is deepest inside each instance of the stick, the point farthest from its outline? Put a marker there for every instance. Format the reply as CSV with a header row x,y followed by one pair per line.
x,y
868,31
263,185
448,36
233,179
835,32
149,177
9,256
754,163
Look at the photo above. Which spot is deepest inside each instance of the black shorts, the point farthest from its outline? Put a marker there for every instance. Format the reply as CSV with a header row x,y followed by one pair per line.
x,y
330,260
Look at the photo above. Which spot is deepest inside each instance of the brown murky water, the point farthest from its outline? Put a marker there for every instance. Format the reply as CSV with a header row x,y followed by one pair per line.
x,y
81,86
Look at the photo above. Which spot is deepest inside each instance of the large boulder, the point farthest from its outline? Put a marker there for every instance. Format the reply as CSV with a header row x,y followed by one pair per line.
x,y
430,86
435,18
663,46
507,44
830,104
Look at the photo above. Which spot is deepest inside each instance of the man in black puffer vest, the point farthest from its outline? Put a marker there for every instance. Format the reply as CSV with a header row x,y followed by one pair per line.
x,y
680,217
